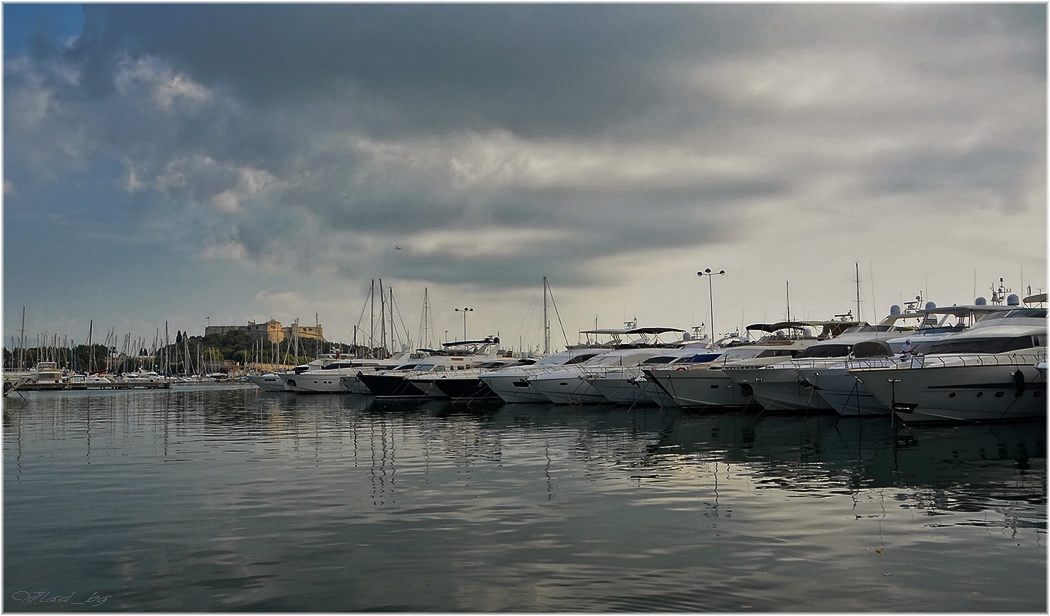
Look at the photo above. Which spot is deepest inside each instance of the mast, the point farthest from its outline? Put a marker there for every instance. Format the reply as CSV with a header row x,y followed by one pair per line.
x,y
393,330
167,341
22,342
857,267
787,286
382,316
546,322
372,320
424,337
186,359
91,351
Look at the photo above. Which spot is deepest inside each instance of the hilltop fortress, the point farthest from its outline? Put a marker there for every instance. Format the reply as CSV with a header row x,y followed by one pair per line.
x,y
270,331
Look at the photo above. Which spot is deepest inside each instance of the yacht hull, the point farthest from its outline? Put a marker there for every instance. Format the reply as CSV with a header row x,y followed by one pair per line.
x,y
390,386
513,388
701,388
778,388
976,393
465,389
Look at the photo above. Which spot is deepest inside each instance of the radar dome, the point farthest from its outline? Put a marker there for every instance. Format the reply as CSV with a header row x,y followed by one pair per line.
x,y
980,301
895,309
930,305
1013,300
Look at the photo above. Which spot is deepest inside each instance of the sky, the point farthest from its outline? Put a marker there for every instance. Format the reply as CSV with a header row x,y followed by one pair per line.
x,y
171,166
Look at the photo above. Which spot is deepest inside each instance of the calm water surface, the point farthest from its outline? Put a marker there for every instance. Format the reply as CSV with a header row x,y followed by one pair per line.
x,y
234,499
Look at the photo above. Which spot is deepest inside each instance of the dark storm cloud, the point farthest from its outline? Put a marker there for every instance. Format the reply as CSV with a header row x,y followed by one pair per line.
x,y
533,69
296,135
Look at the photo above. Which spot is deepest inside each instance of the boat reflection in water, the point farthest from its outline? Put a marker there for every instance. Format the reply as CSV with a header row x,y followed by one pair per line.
x,y
352,503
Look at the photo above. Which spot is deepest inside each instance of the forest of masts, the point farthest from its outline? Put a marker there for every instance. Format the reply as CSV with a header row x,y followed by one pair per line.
x,y
190,355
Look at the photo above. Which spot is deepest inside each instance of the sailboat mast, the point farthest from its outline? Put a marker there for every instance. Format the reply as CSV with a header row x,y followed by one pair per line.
x,y
424,338
22,342
856,266
382,316
546,322
91,351
372,320
787,287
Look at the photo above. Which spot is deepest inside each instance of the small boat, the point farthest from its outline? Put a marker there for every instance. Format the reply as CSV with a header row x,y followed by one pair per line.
x,y
268,381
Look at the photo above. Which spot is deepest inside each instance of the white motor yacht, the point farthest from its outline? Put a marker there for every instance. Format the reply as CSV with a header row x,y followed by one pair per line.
x,y
707,386
327,378
627,385
466,385
454,356
846,394
986,373
512,382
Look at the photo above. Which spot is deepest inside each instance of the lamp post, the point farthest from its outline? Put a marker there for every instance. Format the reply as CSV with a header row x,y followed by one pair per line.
x,y
710,294
465,310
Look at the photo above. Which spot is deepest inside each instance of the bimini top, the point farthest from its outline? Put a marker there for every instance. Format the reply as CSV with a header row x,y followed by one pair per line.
x,y
641,337
464,347
632,330
828,329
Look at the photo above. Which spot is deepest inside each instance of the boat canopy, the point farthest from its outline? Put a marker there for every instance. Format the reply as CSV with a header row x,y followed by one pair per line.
x,y
631,330
827,329
872,348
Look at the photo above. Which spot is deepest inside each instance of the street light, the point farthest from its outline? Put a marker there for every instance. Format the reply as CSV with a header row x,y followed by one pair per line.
x,y
465,310
710,294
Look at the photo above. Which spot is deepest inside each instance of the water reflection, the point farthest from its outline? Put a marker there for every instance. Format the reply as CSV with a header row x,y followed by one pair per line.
x,y
281,502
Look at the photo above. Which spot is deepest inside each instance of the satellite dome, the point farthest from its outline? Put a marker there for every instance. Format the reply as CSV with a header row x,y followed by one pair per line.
x,y
895,309
930,305
980,301
1013,300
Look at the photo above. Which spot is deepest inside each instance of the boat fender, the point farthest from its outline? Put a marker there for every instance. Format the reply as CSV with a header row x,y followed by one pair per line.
x,y
680,368
1019,381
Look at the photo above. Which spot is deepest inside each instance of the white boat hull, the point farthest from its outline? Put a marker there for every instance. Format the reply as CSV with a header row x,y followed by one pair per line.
x,y
778,388
982,389
701,388
848,396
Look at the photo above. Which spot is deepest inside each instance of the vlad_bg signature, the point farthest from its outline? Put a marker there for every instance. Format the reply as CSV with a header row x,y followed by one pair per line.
x,y
44,597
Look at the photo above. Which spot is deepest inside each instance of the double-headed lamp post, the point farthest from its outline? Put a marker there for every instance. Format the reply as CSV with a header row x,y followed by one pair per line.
x,y
710,294
465,310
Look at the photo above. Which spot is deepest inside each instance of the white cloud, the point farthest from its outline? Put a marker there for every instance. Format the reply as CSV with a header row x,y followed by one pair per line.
x,y
150,78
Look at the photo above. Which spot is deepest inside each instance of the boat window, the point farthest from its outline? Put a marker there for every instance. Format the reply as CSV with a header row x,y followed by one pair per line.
x,y
825,350
581,358
701,358
984,345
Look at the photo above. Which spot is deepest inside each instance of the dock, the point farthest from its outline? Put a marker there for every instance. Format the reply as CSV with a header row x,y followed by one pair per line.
x,y
90,386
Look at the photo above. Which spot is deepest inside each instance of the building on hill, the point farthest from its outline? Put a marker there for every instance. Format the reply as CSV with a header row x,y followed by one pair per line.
x,y
270,331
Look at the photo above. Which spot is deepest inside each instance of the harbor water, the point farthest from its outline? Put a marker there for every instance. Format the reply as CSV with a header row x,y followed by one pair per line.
x,y
230,498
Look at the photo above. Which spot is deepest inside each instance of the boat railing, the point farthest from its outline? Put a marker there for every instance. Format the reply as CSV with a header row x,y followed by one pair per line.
x,y
1014,358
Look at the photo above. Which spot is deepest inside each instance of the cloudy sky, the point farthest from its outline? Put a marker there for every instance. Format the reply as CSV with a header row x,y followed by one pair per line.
x,y
191,164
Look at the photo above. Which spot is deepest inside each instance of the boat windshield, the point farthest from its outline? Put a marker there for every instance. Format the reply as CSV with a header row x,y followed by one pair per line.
x,y
1032,313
